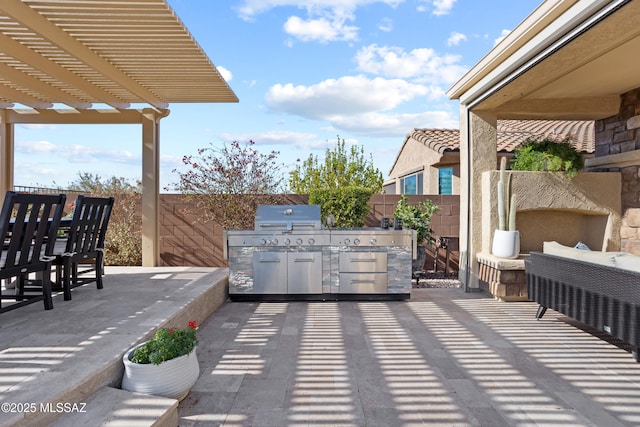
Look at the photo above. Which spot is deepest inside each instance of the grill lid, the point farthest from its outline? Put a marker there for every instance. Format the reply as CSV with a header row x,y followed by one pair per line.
x,y
288,217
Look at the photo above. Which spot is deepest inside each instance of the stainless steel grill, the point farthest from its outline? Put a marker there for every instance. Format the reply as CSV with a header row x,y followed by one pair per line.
x,y
289,255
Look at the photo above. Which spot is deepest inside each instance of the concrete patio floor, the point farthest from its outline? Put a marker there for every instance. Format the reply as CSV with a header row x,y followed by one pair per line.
x,y
442,358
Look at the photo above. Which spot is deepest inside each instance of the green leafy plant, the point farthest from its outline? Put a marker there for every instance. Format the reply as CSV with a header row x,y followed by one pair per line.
x,y
166,345
548,155
417,217
349,205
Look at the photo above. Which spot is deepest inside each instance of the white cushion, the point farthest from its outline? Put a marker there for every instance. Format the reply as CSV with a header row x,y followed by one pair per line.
x,y
628,262
596,257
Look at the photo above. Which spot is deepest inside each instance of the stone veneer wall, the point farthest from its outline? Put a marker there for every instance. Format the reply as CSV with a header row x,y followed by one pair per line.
x,y
616,135
184,241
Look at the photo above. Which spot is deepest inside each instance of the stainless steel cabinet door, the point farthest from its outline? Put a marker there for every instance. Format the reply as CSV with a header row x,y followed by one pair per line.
x,y
269,273
305,272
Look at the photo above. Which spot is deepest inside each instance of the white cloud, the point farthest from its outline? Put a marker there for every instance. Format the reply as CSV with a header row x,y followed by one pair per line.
x,y
251,8
456,38
344,96
443,7
325,20
226,74
503,34
392,125
35,147
322,29
386,25
298,140
423,64
440,7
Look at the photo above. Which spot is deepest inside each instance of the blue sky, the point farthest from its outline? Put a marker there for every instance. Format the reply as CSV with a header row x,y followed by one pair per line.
x,y
305,72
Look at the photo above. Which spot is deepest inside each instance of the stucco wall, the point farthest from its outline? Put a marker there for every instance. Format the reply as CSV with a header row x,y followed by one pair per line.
x,y
616,136
550,206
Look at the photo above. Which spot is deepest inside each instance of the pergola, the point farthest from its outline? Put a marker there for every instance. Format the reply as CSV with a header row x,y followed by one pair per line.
x,y
88,62
568,60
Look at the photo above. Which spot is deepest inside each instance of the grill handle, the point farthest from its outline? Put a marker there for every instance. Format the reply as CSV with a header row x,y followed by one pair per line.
x,y
281,225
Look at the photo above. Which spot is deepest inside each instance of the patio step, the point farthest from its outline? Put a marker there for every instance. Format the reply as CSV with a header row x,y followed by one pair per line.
x,y
112,407
87,375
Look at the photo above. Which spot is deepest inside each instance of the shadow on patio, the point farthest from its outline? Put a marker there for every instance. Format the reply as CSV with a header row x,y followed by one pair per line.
x,y
442,358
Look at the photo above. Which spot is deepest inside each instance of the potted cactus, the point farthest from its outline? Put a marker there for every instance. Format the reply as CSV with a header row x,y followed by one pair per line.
x,y
506,239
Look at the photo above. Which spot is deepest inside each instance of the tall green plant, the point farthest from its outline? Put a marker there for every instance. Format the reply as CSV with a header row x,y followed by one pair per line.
x,y
506,200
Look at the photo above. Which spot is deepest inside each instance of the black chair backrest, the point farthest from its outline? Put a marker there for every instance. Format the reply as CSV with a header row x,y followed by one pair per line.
x,y
28,224
89,224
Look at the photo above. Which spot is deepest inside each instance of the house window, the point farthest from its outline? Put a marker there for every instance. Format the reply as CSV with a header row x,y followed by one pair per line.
x,y
411,184
445,181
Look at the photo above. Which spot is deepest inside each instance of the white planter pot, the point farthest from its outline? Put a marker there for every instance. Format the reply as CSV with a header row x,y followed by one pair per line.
x,y
173,378
506,244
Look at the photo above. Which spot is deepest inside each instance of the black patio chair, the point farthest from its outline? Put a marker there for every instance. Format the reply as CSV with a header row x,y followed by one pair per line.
x,y
29,226
83,245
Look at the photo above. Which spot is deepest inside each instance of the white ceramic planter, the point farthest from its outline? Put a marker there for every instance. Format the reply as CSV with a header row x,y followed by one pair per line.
x,y
173,378
506,244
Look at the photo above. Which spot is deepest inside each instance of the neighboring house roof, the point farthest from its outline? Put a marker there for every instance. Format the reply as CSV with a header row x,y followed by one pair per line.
x,y
511,133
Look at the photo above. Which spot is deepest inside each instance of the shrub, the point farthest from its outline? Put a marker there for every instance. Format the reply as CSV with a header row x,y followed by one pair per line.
x,y
548,155
417,217
349,205
229,182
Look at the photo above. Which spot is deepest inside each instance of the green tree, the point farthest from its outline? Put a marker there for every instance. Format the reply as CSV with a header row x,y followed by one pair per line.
x,y
341,168
229,183
342,185
123,243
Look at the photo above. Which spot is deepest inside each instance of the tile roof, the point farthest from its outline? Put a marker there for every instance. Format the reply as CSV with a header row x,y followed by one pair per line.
x,y
513,132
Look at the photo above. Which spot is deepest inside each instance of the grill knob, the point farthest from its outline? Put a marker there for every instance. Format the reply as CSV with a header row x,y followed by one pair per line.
x,y
373,242
263,242
274,242
299,241
312,240
356,241
287,241
347,241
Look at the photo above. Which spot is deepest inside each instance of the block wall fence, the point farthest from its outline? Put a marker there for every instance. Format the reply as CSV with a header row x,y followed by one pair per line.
x,y
186,241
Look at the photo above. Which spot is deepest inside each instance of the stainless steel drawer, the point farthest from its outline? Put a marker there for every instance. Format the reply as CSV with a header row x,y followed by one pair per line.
x,y
363,283
366,262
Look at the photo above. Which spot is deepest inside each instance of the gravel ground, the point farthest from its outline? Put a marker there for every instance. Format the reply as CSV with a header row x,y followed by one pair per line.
x,y
436,279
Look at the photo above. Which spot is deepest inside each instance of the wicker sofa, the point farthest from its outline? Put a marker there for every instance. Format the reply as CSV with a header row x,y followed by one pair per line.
x,y
599,289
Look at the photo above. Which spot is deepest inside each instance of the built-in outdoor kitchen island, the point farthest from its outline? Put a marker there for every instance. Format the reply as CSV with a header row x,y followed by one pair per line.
x,y
290,256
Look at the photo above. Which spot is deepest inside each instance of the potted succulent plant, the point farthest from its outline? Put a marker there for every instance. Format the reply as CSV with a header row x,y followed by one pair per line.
x,y
418,218
166,365
506,239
